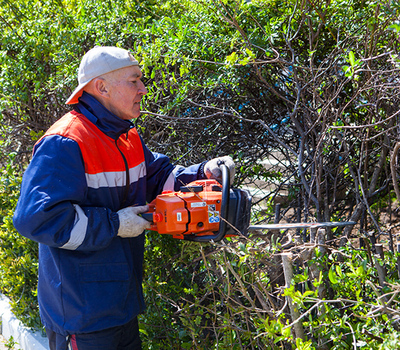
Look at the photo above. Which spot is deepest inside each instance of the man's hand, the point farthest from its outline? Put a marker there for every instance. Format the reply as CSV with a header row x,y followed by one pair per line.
x,y
213,171
130,223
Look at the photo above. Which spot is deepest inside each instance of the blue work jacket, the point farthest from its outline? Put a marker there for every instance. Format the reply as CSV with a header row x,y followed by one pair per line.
x,y
87,166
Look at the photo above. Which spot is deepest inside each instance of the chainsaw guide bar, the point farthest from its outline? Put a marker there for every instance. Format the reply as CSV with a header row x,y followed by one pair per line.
x,y
206,210
288,226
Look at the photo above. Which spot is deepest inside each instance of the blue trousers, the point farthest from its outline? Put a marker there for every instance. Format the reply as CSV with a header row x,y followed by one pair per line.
x,y
125,337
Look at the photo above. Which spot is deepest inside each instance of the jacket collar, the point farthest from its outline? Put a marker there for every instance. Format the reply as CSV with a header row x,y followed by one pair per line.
x,y
106,121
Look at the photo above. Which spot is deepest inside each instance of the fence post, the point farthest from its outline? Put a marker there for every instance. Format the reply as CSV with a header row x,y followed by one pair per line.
x,y
380,268
277,218
315,269
391,243
313,234
379,250
287,262
321,239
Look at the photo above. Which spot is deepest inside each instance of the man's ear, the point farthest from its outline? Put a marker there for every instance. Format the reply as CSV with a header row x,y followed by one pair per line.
x,y
100,87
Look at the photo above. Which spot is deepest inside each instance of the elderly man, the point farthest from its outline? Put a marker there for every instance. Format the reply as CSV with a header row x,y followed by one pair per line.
x,y
82,194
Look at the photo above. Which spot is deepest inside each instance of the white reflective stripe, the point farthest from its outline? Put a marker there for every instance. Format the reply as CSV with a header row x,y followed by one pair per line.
x,y
78,232
104,179
137,172
115,178
169,184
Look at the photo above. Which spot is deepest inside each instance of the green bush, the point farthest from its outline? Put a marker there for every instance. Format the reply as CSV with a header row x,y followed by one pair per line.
x,y
307,80
18,255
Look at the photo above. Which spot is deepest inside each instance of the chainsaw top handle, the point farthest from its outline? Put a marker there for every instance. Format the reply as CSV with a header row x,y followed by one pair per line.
x,y
220,234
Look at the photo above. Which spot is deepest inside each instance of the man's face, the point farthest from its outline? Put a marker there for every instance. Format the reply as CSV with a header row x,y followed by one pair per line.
x,y
126,90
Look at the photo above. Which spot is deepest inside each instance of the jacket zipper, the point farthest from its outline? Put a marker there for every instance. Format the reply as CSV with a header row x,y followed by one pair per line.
x,y
126,175
138,290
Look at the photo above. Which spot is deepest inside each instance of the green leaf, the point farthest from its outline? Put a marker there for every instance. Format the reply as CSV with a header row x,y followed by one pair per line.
x,y
332,276
352,58
232,58
395,27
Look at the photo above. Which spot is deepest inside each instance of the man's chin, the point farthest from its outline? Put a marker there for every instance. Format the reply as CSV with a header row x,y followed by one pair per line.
x,y
131,117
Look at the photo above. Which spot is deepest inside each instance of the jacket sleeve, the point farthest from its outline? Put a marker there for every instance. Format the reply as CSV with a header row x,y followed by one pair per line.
x,y
163,176
49,208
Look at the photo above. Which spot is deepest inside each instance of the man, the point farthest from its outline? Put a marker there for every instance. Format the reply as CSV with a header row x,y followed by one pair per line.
x,y
81,198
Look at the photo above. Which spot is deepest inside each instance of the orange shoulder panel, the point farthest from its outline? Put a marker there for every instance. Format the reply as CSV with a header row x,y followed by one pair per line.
x,y
99,151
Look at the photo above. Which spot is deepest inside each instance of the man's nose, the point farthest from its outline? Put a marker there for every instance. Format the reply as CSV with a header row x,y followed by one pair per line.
x,y
142,89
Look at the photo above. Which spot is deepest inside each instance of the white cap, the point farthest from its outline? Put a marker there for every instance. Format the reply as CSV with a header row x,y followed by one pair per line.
x,y
98,61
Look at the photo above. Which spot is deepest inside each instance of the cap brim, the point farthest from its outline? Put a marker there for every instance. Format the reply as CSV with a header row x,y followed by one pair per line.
x,y
73,99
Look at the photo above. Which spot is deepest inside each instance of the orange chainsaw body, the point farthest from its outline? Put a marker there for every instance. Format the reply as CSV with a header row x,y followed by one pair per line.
x,y
195,210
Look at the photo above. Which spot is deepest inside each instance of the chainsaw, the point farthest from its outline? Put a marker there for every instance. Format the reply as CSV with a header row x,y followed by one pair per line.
x,y
206,210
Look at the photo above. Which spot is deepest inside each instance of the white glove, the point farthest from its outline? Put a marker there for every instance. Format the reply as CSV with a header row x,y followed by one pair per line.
x,y
130,223
213,171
